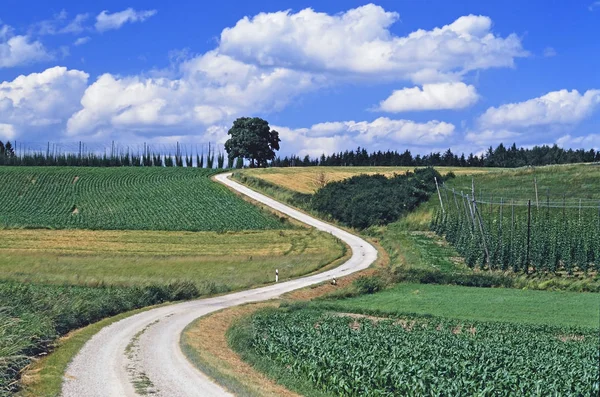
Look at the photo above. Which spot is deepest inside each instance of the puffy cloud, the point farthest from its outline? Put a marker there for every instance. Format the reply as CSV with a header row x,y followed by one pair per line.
x,y
556,107
19,50
359,42
7,132
212,88
106,21
431,97
82,40
40,102
379,134
584,141
594,5
492,137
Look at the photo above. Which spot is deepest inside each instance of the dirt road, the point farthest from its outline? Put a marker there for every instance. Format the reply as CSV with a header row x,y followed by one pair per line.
x,y
140,355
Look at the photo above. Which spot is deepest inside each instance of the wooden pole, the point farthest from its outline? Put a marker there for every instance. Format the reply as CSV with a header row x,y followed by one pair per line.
x,y
512,230
455,200
500,232
537,201
439,195
480,222
471,210
528,235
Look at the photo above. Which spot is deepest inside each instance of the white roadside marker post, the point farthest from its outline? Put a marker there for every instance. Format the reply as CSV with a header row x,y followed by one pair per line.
x,y
276,275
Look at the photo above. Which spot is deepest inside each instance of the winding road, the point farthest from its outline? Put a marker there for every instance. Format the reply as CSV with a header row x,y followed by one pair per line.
x,y
141,354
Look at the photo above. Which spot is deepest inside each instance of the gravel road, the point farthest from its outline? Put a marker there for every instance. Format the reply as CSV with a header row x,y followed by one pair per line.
x,y
140,355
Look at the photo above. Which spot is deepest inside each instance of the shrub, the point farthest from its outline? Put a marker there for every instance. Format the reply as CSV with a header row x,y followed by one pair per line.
x,y
368,285
367,200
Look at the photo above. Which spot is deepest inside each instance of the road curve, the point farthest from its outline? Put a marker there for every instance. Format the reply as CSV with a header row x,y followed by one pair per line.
x,y
143,350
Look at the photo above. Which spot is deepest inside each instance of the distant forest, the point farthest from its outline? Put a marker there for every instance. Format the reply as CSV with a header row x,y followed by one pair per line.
x,y
501,156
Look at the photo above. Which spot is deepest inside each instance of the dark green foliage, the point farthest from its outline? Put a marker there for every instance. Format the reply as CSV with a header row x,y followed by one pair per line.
x,y
367,200
33,316
210,158
368,284
9,151
220,160
501,156
239,163
252,139
418,356
484,280
118,157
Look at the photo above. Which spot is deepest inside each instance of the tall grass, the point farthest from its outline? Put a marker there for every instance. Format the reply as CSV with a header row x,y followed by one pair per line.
x,y
33,316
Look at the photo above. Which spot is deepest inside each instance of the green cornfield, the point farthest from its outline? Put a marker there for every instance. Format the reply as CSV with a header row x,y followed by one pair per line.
x,y
347,356
145,198
523,236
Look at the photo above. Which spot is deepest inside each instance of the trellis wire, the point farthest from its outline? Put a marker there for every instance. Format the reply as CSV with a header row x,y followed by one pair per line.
x,y
539,238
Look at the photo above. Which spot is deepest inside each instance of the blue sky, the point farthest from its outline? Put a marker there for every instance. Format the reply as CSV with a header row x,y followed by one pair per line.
x,y
329,75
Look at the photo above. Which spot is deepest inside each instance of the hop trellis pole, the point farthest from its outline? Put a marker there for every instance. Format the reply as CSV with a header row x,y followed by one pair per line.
x,y
562,237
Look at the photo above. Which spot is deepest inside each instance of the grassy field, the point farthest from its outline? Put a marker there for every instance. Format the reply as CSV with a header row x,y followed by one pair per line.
x,y
80,244
515,340
578,181
479,304
222,261
153,198
309,179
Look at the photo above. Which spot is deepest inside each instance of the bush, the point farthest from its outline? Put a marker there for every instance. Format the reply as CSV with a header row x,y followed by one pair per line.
x,y
484,280
368,285
367,200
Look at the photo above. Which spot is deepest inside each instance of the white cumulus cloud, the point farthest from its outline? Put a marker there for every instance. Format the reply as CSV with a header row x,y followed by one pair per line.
x,y
556,107
585,141
106,21
359,42
492,137
380,134
40,103
16,50
431,97
7,132
212,88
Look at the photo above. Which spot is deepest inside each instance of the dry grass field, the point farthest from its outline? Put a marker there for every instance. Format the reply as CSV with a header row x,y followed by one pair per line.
x,y
230,260
309,179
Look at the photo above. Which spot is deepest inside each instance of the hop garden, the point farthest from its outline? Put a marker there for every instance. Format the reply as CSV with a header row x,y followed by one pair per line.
x,y
522,236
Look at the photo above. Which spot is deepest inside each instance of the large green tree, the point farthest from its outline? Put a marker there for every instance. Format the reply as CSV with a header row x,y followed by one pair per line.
x,y
252,139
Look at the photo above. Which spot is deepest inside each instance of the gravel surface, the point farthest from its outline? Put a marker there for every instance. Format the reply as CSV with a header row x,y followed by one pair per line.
x,y
103,369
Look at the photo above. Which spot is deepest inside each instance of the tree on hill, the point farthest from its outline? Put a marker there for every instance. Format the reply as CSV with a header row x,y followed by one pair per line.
x,y
252,139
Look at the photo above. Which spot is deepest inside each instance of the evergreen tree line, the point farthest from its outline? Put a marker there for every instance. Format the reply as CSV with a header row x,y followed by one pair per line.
x,y
117,158
501,156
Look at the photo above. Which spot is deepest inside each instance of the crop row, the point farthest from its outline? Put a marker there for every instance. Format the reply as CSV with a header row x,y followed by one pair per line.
x,y
344,356
523,238
123,198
